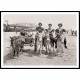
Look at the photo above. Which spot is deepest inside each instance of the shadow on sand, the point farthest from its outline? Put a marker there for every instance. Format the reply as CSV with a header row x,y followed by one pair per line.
x,y
30,53
52,54
8,56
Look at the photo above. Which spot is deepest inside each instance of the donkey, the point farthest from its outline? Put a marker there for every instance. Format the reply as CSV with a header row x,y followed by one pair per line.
x,y
17,46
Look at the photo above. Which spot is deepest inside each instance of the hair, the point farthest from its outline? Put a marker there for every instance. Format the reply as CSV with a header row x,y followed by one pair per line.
x,y
60,24
49,24
40,23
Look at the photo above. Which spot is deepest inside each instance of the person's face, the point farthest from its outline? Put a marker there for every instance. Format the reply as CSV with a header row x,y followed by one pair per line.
x,y
60,26
50,26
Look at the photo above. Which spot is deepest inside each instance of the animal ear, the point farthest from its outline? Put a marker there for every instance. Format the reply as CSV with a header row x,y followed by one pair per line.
x,y
10,37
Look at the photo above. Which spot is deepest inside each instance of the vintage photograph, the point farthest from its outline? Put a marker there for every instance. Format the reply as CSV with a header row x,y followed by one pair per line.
x,y
40,39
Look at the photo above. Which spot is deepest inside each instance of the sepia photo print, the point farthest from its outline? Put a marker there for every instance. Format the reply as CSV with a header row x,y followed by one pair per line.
x,y
40,39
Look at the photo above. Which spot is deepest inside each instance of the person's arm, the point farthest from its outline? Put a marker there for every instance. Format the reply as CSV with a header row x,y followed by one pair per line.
x,y
42,29
57,32
36,28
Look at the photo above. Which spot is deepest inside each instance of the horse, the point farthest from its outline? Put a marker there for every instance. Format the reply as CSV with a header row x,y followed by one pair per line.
x,y
16,45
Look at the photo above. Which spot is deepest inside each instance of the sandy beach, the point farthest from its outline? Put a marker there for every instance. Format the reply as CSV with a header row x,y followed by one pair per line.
x,y
28,58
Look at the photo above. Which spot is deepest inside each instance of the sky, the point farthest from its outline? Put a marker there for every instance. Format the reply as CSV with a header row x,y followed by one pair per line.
x,y
69,21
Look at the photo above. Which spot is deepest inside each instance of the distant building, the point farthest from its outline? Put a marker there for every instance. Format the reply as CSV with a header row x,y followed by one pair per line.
x,y
18,27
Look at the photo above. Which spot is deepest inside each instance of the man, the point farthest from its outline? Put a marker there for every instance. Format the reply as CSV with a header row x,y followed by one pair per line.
x,y
40,29
39,36
49,27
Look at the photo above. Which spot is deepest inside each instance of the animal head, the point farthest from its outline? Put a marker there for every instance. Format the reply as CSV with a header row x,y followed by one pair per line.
x,y
10,37
18,41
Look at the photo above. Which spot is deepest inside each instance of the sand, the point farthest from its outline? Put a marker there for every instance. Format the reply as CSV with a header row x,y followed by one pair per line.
x,y
29,58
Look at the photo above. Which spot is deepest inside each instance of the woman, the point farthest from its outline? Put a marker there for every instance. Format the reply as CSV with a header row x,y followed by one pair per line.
x,y
38,38
59,33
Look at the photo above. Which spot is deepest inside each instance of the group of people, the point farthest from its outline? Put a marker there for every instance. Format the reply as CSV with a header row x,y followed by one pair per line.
x,y
53,37
48,38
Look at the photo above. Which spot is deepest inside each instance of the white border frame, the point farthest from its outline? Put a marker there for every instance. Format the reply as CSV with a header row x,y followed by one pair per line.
x,y
77,15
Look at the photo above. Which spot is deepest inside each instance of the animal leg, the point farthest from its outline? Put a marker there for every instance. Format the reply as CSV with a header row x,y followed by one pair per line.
x,y
13,53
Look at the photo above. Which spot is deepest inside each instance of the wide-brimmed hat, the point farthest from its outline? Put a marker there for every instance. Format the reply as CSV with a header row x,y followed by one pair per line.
x,y
49,24
60,25
40,23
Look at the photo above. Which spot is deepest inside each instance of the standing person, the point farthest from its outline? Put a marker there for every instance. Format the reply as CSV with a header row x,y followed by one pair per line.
x,y
39,36
59,33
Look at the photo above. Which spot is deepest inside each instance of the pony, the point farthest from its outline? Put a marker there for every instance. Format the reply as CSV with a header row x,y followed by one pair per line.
x,y
16,45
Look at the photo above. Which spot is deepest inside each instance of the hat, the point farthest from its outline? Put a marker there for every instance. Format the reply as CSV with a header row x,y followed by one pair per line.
x,y
49,24
60,25
40,23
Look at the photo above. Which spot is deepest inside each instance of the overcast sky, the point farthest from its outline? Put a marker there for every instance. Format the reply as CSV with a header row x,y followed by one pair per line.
x,y
68,20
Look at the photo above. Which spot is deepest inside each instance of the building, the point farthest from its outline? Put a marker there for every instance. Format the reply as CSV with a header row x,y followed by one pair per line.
x,y
19,26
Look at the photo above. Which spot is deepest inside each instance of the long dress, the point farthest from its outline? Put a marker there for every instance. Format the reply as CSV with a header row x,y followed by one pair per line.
x,y
38,39
59,41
